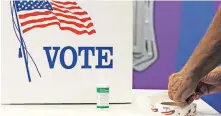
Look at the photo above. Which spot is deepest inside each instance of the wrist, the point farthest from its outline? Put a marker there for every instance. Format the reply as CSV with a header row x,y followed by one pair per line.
x,y
191,76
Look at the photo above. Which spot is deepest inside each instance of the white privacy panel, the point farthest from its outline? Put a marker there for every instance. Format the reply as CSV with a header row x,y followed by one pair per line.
x,y
57,51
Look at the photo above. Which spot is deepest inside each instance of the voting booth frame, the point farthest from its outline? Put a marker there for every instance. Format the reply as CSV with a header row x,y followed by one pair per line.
x,y
49,65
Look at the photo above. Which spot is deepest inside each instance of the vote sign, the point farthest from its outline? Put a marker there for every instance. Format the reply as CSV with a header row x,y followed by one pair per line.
x,y
57,51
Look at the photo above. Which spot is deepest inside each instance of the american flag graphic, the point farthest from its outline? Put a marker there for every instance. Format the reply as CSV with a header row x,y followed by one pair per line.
x,y
67,15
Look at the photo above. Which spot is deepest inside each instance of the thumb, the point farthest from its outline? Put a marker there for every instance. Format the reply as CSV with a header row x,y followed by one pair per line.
x,y
204,89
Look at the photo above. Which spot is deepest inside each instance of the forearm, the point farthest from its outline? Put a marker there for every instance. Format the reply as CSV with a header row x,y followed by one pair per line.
x,y
207,54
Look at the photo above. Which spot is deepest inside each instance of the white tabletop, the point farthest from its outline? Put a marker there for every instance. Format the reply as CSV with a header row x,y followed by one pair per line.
x,y
90,110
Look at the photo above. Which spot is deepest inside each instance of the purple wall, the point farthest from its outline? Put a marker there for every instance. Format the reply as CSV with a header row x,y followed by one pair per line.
x,y
167,24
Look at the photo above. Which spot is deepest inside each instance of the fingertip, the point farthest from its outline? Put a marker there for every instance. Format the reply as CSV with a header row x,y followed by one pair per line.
x,y
170,96
197,97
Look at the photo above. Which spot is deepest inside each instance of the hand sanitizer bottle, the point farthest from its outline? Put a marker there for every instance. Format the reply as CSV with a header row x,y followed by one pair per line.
x,y
102,96
102,90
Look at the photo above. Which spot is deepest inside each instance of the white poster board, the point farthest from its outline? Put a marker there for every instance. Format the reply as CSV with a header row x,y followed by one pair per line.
x,y
50,64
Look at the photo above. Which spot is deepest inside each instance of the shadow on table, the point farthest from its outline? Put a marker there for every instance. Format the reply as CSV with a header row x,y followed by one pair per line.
x,y
207,114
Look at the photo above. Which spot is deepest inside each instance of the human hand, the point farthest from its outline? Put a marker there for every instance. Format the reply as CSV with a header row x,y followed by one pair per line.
x,y
184,89
209,84
181,88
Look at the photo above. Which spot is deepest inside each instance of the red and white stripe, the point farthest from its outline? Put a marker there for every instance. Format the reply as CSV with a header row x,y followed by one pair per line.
x,y
168,113
67,15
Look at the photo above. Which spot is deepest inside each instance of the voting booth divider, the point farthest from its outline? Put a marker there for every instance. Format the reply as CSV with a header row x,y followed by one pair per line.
x,y
51,54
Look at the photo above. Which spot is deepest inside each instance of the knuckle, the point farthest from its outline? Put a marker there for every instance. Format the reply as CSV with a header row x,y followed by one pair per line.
x,y
171,76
